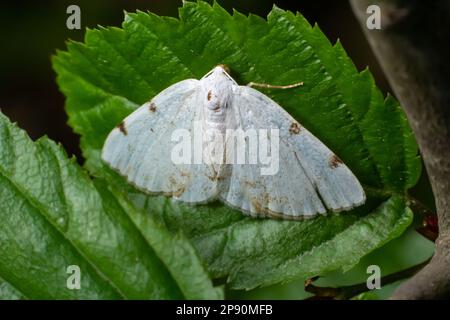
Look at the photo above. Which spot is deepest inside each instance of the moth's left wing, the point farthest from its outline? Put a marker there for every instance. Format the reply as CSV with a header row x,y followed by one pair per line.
x,y
140,147
310,178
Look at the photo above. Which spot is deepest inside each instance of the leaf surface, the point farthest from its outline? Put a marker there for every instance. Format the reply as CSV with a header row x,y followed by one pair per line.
x,y
53,216
116,70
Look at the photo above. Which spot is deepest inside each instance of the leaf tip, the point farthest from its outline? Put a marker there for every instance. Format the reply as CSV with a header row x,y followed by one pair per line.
x,y
187,3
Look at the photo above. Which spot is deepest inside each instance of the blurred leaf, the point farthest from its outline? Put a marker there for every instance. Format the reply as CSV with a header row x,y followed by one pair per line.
x,y
406,251
116,70
54,216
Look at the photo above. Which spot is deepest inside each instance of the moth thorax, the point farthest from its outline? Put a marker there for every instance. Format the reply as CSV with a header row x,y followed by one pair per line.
x,y
215,108
217,94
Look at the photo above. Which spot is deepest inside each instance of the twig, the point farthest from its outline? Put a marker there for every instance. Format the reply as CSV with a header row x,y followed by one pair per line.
x,y
413,47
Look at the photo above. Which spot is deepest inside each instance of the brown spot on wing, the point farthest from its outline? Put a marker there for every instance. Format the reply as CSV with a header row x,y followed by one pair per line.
x,y
334,161
294,128
216,177
152,107
185,174
178,187
209,96
262,207
259,208
250,184
219,175
121,127
262,210
178,192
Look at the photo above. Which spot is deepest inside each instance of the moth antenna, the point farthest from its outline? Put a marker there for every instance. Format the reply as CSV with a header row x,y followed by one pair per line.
x,y
270,86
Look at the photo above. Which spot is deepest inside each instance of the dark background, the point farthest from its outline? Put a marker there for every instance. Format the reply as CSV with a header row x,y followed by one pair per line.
x,y
31,31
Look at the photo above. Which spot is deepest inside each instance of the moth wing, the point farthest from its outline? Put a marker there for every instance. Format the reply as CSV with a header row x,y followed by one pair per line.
x,y
140,147
310,177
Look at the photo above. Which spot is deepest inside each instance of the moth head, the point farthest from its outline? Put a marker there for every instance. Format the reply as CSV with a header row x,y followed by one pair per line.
x,y
218,89
223,68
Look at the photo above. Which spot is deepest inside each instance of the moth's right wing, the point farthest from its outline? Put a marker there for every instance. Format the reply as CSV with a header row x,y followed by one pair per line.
x,y
310,179
140,147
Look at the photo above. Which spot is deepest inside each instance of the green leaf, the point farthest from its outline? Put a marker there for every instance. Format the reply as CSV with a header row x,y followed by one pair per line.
x,y
175,251
54,216
116,70
8,292
254,252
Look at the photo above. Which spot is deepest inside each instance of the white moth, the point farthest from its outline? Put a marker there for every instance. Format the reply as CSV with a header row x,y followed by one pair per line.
x,y
307,180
